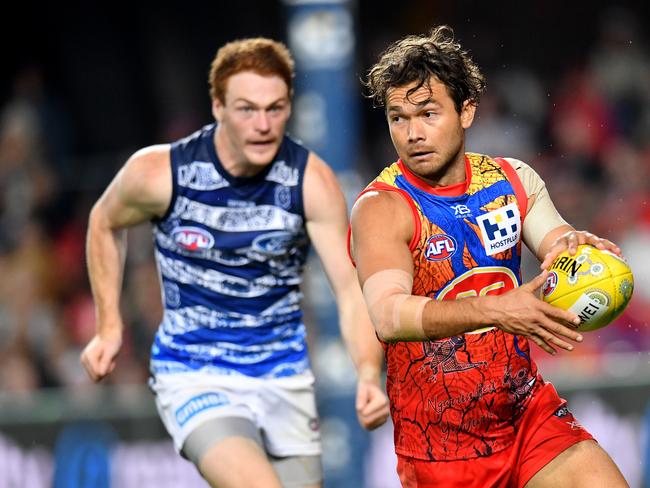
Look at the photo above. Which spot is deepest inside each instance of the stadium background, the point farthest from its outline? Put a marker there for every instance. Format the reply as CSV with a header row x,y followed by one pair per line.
x,y
83,87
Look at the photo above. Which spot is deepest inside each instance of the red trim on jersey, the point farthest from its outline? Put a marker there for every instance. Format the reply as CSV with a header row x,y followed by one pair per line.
x,y
517,185
347,247
455,190
380,186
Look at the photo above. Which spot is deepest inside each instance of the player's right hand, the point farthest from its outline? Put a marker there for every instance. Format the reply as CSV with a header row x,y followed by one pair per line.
x,y
571,240
371,404
98,357
521,312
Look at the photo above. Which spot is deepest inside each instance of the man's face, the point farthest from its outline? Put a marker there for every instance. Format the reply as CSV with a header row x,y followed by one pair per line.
x,y
427,131
253,117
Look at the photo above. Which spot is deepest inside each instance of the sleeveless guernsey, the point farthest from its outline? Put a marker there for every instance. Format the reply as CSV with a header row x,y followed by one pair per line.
x,y
230,252
462,397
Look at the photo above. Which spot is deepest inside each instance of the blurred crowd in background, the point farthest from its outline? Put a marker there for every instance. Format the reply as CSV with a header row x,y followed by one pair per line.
x,y
572,100
585,128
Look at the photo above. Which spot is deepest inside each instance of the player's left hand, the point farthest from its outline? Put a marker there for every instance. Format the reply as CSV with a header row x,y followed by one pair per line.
x,y
574,238
371,404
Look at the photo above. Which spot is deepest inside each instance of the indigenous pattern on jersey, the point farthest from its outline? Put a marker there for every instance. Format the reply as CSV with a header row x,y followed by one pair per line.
x,y
461,397
230,253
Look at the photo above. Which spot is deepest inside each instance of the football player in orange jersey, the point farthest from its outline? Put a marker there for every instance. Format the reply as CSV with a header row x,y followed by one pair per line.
x,y
468,404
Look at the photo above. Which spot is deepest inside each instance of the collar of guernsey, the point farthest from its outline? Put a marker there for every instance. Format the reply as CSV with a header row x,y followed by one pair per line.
x,y
482,172
230,252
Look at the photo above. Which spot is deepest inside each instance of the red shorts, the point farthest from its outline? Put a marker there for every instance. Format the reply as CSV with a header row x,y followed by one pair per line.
x,y
547,428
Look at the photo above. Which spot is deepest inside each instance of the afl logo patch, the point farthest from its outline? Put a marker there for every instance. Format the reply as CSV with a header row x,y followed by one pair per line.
x,y
193,238
440,247
550,284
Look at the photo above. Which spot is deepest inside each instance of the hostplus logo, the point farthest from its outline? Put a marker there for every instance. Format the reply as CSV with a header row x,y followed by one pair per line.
x,y
501,228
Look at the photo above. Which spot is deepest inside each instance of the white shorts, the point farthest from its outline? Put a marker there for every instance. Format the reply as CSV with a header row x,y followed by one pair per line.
x,y
283,409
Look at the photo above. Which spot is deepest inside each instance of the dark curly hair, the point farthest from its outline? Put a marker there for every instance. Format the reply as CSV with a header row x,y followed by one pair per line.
x,y
417,58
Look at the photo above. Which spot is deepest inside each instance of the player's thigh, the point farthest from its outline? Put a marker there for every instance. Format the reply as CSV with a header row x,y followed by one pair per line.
x,y
187,401
289,421
583,465
290,430
229,453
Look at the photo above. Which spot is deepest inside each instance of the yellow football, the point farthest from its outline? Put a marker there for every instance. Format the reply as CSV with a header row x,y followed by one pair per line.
x,y
596,285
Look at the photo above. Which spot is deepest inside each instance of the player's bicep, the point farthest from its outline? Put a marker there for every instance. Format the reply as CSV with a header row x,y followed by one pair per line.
x,y
323,199
382,227
327,222
140,191
115,208
542,216
541,219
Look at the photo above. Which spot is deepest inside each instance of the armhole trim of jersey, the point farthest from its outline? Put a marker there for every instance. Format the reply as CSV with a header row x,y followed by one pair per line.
x,y
517,185
300,191
380,186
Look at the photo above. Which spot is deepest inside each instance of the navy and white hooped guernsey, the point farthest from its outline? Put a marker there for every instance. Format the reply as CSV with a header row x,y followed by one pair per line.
x,y
230,253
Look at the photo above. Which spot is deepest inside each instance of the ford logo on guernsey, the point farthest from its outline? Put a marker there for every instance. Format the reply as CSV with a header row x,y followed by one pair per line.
x,y
193,238
273,243
440,247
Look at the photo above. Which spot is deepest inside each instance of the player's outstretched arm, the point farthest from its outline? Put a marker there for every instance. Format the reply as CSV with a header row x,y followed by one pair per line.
x,y
141,190
382,227
327,224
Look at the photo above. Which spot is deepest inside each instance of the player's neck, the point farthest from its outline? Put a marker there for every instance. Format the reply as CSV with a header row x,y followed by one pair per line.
x,y
454,173
451,174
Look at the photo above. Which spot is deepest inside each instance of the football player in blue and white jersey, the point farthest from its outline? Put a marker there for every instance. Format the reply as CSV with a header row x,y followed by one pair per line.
x,y
234,208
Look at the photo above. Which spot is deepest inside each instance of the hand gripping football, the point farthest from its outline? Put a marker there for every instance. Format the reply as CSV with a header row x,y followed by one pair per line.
x,y
596,285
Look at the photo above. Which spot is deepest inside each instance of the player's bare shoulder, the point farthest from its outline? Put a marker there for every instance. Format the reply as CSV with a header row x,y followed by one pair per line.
x,y
318,172
387,212
322,194
145,181
375,202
